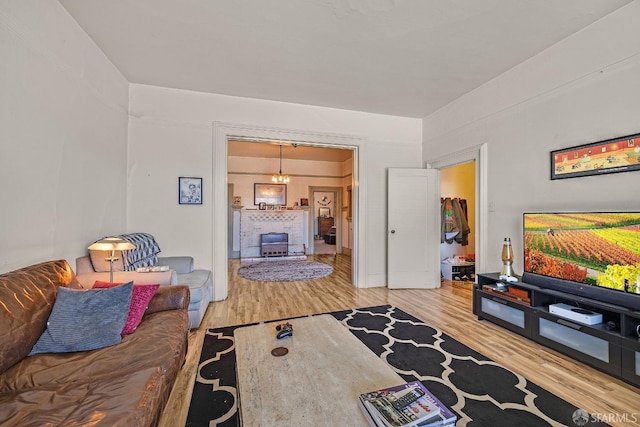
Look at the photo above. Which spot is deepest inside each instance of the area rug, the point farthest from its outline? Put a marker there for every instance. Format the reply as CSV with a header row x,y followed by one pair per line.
x,y
480,391
284,271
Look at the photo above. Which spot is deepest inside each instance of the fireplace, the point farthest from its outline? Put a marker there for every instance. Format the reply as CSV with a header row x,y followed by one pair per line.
x,y
274,244
253,224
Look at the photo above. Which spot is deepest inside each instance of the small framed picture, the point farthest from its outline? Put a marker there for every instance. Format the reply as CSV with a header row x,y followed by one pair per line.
x,y
189,191
304,202
237,201
262,206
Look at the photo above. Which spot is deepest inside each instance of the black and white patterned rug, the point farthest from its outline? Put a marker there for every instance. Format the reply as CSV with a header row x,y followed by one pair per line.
x,y
284,271
480,391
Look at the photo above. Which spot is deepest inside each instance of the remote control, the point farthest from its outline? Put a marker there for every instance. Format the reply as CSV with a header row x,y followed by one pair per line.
x,y
284,333
284,330
407,399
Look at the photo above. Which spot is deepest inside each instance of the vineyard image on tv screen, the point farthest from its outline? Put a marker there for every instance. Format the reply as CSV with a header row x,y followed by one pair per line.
x,y
598,249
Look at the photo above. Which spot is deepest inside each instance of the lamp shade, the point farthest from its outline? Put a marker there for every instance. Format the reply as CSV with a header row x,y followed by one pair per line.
x,y
112,244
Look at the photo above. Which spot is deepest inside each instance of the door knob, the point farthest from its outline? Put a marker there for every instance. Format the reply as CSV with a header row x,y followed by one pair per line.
x,y
392,231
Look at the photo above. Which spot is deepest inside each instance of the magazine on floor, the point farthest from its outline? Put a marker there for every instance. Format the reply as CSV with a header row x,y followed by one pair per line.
x,y
386,407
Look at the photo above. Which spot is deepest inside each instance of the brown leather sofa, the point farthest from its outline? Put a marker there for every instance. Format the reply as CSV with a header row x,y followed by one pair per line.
x,y
126,384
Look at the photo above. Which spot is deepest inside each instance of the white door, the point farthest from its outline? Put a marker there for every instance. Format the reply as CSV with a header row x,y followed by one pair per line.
x,y
413,228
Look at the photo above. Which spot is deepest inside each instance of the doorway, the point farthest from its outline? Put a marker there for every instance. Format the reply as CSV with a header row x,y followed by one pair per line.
x,y
457,252
327,219
321,182
477,155
225,131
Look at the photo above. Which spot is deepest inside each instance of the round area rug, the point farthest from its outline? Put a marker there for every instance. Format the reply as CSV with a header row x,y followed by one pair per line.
x,y
284,271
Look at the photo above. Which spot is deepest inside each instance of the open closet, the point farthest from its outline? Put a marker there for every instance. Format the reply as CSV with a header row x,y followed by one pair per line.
x,y
457,240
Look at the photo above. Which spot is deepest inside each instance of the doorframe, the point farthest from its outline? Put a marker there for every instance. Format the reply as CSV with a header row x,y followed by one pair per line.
x,y
478,154
337,212
221,134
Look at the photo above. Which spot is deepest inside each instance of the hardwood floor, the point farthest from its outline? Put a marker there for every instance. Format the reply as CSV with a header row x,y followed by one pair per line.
x,y
447,308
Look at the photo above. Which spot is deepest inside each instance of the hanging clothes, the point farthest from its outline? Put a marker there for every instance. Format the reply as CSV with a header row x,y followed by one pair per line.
x,y
449,227
454,221
463,225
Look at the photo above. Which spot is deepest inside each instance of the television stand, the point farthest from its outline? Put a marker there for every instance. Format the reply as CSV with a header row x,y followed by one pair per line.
x,y
611,346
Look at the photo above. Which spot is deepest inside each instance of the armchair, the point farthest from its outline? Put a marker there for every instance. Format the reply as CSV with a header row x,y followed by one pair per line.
x,y
200,283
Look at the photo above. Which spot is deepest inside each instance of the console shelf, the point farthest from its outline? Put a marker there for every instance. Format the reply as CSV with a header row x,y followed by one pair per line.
x,y
611,346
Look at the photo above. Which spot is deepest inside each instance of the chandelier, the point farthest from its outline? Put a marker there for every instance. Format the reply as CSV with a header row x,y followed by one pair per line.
x,y
279,178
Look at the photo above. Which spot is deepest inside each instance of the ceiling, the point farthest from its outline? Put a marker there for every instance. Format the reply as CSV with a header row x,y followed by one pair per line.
x,y
289,151
396,57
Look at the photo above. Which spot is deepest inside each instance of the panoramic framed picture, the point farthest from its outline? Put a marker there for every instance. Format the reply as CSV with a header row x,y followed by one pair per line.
x,y
189,191
271,194
610,156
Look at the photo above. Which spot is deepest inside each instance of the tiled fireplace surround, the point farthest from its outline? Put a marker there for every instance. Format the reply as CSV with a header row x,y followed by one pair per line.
x,y
254,223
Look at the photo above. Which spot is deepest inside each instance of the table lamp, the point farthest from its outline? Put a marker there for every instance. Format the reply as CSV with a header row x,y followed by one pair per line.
x,y
111,244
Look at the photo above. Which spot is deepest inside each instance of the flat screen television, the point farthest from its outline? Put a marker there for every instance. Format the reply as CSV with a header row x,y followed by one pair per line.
x,y
591,254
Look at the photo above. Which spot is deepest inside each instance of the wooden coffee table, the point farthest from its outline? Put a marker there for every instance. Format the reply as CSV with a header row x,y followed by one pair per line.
x,y
317,383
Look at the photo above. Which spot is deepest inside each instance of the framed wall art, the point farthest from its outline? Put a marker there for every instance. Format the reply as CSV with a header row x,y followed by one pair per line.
x,y
189,191
610,156
271,194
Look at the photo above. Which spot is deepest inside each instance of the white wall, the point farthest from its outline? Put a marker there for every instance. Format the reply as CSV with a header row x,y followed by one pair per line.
x,y
584,89
63,136
170,135
245,171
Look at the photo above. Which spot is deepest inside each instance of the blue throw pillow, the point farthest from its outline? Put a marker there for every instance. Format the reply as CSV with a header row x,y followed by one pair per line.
x,y
85,320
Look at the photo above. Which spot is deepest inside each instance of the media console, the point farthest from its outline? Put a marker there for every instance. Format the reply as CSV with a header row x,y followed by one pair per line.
x,y
611,346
